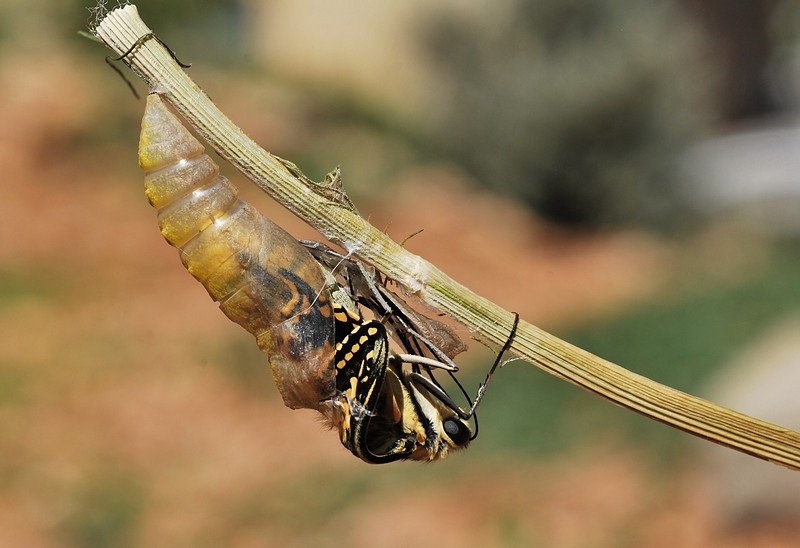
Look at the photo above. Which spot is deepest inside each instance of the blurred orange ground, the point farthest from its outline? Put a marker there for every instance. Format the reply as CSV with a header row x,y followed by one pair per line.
x,y
132,413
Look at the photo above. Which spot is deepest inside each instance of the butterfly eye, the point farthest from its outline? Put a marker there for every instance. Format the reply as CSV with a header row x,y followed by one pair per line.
x,y
457,431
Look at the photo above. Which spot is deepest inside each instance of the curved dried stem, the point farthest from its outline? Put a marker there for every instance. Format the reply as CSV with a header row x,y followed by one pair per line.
x,y
121,29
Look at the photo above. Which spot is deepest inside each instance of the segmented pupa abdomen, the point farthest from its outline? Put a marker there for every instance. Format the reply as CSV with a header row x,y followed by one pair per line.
x,y
263,279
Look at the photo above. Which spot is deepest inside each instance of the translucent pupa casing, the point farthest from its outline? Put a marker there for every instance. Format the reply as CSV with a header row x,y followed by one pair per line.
x,y
262,278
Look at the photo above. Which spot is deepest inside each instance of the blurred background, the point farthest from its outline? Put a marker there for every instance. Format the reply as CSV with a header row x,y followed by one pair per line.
x,y
622,173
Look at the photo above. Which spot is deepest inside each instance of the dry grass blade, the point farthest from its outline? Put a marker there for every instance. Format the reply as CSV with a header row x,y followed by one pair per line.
x,y
122,28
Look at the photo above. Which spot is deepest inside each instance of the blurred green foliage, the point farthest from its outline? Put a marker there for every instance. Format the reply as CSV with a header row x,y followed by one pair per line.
x,y
106,512
212,30
578,108
214,24
20,283
679,341
14,384
242,363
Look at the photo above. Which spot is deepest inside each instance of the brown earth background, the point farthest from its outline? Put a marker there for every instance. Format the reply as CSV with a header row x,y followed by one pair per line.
x,y
133,413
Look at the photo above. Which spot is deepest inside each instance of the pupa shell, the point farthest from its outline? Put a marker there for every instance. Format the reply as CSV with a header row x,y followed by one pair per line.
x,y
262,278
